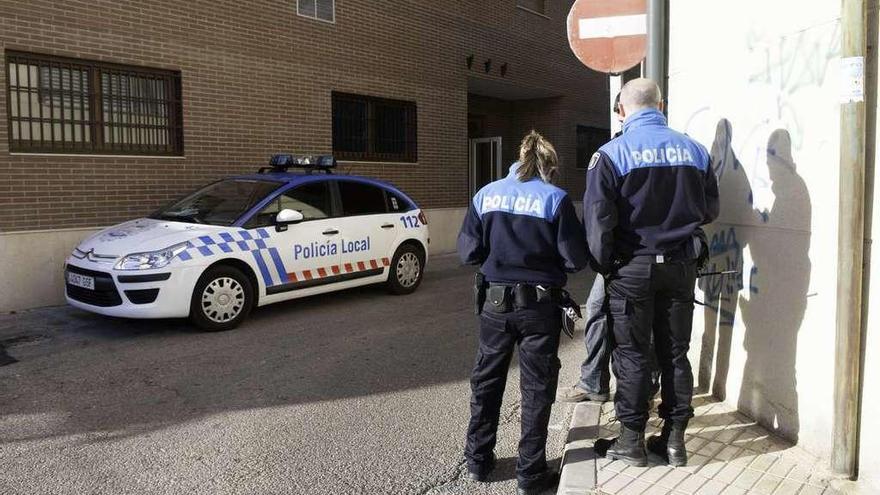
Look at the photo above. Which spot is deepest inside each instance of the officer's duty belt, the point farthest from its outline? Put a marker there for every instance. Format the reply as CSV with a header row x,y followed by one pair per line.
x,y
676,256
505,298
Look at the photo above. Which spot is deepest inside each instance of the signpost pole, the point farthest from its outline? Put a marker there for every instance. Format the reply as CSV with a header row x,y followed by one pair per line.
x,y
656,61
615,82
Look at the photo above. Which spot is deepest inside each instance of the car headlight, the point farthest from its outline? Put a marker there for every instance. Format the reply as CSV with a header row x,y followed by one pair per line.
x,y
149,261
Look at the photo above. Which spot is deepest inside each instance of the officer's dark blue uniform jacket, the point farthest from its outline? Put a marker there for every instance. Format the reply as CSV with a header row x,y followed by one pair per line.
x,y
523,232
647,191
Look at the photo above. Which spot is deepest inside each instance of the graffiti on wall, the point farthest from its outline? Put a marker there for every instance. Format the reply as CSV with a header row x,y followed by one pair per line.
x,y
721,291
781,72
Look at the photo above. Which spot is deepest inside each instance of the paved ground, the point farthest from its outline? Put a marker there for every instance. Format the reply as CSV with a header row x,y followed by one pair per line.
x,y
729,454
358,392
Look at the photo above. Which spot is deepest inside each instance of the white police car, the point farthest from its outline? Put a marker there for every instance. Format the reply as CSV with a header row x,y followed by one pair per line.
x,y
252,240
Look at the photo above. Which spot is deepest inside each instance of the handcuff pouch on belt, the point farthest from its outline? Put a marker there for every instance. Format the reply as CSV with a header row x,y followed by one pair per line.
x,y
499,297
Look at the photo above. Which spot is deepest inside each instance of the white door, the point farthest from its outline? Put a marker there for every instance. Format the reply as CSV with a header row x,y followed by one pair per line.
x,y
303,254
485,162
368,230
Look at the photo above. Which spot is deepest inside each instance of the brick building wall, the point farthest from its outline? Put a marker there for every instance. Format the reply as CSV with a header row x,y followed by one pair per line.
x,y
257,79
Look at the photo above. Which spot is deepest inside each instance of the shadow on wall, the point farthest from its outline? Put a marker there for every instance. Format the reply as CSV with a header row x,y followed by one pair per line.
x,y
772,300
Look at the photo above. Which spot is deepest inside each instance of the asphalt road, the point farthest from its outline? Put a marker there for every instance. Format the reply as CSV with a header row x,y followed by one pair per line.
x,y
355,392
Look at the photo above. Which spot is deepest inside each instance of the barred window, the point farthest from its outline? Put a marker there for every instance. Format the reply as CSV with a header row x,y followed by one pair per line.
x,y
374,129
322,10
589,140
61,105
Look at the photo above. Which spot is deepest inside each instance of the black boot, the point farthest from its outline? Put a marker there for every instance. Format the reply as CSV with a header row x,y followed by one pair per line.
x,y
545,482
629,447
481,472
669,444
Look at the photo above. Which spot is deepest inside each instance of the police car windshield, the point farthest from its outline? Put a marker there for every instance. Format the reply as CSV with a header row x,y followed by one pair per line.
x,y
220,203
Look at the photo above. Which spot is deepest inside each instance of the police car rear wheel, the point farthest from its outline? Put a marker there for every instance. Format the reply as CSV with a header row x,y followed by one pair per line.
x,y
407,268
222,299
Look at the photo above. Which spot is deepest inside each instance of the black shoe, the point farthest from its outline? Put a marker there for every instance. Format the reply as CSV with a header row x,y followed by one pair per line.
x,y
481,473
547,481
669,444
629,447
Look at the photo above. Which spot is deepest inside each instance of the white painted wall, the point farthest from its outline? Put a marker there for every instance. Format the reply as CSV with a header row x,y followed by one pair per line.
x,y
32,267
444,224
756,82
869,457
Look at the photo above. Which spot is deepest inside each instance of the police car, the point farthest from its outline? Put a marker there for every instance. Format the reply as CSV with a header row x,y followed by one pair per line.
x,y
253,240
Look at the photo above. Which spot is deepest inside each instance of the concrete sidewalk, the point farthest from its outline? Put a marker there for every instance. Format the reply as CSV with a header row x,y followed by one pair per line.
x,y
728,454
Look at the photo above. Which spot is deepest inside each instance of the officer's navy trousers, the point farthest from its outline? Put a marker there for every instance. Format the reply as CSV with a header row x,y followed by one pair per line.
x,y
643,295
535,331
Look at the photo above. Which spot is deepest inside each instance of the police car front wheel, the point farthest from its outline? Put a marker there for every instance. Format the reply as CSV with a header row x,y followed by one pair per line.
x,y
407,269
222,299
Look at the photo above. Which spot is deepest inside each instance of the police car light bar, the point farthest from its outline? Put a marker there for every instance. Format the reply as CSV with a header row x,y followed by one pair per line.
x,y
282,162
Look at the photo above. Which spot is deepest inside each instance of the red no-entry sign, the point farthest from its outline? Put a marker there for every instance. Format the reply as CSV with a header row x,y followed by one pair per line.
x,y
609,35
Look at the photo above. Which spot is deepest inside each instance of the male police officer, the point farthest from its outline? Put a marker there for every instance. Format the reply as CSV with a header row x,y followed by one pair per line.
x,y
595,380
648,192
524,233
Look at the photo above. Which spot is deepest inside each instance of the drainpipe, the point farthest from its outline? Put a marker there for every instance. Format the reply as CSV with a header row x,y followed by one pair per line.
x,y
657,60
850,255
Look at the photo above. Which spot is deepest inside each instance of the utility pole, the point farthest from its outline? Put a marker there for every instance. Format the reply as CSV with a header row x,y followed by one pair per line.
x,y
847,367
657,60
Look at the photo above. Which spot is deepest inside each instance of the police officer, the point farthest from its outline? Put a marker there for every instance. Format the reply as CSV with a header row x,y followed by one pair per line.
x,y
648,192
595,380
526,236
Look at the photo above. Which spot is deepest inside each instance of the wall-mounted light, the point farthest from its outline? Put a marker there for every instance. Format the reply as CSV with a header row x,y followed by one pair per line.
x,y
470,61
504,69
488,65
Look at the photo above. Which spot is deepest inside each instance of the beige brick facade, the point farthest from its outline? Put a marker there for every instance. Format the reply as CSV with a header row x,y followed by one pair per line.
x,y
257,79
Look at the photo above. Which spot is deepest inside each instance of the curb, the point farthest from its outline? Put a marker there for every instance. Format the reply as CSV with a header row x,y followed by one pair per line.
x,y
578,472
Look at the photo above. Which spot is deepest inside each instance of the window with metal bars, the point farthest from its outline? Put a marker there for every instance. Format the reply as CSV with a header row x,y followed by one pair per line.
x,y
374,129
63,105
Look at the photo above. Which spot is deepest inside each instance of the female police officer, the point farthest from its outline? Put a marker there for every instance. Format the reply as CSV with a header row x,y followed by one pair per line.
x,y
524,233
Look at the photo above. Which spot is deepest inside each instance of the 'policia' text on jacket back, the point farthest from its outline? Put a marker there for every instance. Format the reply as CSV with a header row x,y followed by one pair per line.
x,y
647,191
524,232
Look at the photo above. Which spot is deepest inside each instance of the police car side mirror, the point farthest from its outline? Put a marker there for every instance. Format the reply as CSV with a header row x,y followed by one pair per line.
x,y
287,217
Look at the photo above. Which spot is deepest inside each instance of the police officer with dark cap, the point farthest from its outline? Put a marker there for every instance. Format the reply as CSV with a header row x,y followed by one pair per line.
x,y
524,233
648,192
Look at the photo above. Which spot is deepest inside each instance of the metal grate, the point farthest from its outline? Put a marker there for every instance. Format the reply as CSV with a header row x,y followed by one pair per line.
x,y
61,105
374,129
105,293
142,296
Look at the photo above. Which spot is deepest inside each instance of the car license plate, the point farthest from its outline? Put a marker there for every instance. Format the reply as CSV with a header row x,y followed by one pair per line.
x,y
81,280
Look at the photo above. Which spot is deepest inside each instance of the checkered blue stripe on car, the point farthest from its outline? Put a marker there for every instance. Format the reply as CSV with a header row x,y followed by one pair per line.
x,y
244,241
225,242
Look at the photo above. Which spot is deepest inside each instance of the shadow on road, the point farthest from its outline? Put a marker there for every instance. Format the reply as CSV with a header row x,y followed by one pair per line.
x,y
114,378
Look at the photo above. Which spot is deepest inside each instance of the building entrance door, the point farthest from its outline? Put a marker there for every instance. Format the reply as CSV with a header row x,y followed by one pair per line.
x,y
485,162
